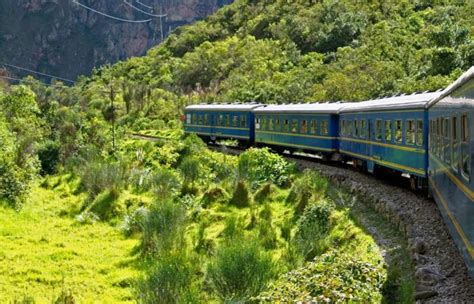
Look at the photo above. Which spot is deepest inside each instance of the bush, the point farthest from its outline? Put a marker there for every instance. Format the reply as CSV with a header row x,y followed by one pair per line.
x,y
169,281
99,175
241,196
240,270
165,184
260,166
310,185
106,205
49,154
189,169
134,222
312,227
351,281
214,195
163,228
264,193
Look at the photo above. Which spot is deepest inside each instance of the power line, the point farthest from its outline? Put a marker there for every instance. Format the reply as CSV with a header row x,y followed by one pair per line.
x,y
35,72
109,16
143,4
18,79
142,11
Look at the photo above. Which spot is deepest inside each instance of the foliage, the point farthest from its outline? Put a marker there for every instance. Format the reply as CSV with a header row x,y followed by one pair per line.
x,y
260,166
312,227
331,277
163,227
169,281
310,185
264,193
241,196
240,270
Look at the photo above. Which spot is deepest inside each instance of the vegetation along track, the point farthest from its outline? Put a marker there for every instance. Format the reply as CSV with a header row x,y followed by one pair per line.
x,y
440,273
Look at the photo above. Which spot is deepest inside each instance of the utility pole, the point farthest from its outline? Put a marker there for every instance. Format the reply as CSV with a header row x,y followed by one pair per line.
x,y
161,20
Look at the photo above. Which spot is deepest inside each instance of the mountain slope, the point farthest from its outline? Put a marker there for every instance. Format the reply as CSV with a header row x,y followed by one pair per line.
x,y
62,38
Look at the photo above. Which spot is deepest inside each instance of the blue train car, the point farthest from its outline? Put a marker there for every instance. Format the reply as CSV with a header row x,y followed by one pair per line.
x,y
302,127
451,172
388,133
217,121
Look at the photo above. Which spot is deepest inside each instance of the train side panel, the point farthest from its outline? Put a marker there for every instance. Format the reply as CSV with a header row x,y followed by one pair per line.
x,y
451,176
392,139
304,132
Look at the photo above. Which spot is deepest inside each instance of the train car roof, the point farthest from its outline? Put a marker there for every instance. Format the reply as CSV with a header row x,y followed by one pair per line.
x,y
310,108
468,75
236,107
402,102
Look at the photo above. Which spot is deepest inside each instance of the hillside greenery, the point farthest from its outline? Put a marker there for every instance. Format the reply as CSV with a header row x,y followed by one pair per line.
x,y
180,222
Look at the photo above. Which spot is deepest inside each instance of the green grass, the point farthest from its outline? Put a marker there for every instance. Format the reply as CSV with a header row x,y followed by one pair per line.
x,y
44,250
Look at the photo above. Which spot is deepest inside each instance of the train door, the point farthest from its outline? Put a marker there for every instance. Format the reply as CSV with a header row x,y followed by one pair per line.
x,y
369,146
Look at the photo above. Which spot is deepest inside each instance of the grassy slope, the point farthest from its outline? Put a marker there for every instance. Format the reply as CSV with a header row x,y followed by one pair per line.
x,y
43,253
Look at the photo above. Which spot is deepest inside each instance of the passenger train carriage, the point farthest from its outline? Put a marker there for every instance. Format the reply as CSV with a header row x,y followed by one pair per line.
x,y
451,172
388,133
233,121
426,137
302,127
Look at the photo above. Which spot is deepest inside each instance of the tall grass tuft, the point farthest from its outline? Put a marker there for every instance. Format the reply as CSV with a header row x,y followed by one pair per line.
x,y
240,270
169,281
241,196
312,228
163,228
264,193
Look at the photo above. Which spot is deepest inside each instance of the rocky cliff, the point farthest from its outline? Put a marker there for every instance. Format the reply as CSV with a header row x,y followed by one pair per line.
x,y
63,38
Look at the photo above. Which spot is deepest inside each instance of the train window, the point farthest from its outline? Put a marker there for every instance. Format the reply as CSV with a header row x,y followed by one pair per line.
x,y
304,126
430,140
188,119
398,131
363,128
378,129
419,132
206,119
235,121
454,143
465,153
410,132
286,125
258,122
220,120
342,127
294,126
388,131
265,123
324,127
356,128
447,141
200,119
243,121
314,127
194,118
270,124
277,124
227,120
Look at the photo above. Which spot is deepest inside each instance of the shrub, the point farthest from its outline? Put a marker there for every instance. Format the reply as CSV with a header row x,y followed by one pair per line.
x,y
134,222
169,281
312,227
309,185
163,228
264,193
241,196
99,175
49,155
214,195
106,205
330,278
189,169
165,184
233,229
260,166
240,270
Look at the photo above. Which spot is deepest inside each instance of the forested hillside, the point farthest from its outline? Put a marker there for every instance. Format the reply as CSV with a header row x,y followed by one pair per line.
x,y
193,225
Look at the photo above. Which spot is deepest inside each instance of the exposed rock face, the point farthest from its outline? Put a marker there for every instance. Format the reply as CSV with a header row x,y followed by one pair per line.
x,y
62,38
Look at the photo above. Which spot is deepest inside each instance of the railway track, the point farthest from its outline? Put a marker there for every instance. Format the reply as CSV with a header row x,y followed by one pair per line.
x,y
440,273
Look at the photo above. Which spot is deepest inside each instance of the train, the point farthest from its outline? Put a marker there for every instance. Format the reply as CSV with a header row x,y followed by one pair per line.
x,y
427,137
